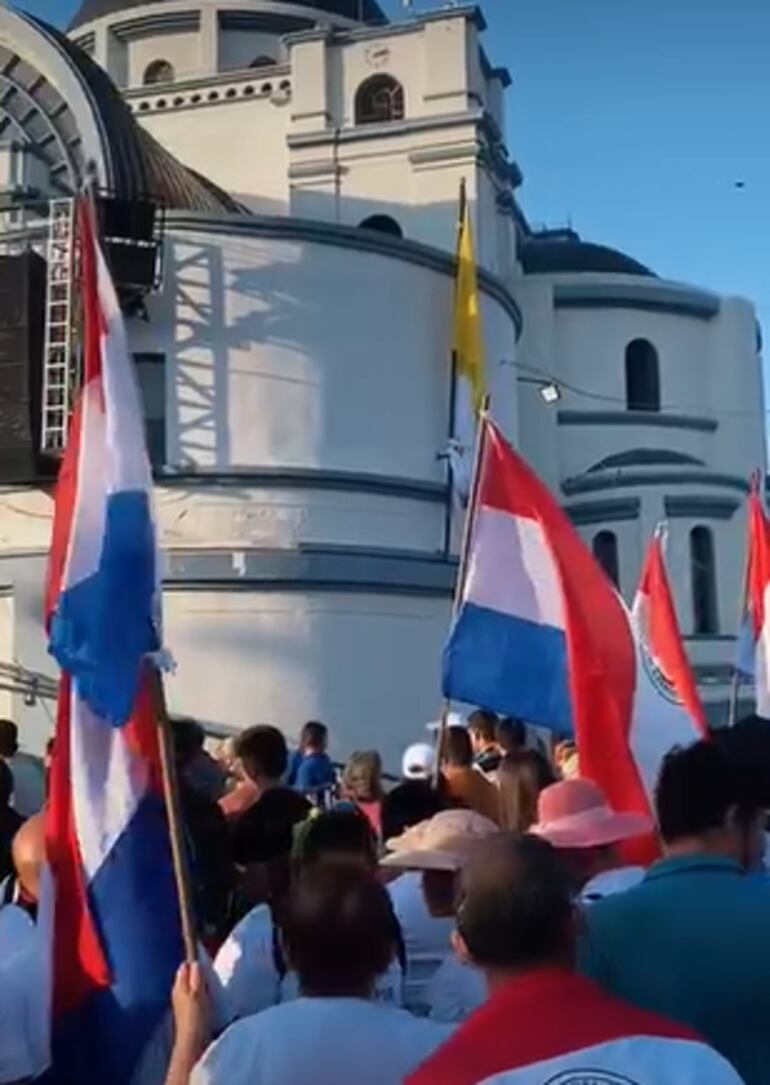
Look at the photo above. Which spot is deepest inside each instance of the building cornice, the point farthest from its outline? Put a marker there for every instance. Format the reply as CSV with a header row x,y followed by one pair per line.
x,y
583,484
311,568
165,22
653,419
650,295
700,507
344,237
386,130
391,30
613,510
306,478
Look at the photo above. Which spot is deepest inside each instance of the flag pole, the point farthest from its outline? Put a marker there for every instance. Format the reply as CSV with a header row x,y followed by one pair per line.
x,y
462,568
453,385
174,814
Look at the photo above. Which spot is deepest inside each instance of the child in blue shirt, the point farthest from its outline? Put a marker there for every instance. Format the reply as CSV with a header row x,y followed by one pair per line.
x,y
310,767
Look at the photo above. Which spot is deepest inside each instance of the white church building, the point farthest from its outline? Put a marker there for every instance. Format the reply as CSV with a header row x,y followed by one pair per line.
x,y
280,183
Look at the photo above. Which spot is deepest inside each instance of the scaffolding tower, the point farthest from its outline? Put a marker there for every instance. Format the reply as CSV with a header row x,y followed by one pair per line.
x,y
61,356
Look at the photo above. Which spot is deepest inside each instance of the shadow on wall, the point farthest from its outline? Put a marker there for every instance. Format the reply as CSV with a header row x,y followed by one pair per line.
x,y
300,327
198,409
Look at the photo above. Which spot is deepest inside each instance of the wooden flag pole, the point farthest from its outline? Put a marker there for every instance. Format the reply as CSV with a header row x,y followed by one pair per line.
x,y
462,568
174,814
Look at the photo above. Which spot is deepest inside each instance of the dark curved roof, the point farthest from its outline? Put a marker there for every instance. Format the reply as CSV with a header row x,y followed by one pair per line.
x,y
564,251
349,9
138,166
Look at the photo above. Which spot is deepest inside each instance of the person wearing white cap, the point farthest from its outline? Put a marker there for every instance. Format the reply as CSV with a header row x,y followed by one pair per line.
x,y
575,817
439,848
419,761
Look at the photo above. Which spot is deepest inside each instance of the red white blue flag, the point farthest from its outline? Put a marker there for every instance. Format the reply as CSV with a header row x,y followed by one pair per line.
x,y
754,639
542,634
657,628
552,1028
110,897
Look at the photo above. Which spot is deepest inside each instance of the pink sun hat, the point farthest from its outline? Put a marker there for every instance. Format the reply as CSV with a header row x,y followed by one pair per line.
x,y
575,814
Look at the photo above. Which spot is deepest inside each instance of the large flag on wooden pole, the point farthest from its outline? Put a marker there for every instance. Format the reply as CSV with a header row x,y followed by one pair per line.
x,y
541,633
114,878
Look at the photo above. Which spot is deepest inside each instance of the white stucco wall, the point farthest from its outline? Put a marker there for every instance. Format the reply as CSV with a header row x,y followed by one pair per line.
x,y
291,353
367,665
238,143
182,49
709,371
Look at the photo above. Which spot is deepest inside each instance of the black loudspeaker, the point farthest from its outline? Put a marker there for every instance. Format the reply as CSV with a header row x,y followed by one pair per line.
x,y
22,316
133,266
133,220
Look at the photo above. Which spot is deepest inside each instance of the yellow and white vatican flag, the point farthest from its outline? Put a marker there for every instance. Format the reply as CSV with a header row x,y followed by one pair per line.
x,y
468,366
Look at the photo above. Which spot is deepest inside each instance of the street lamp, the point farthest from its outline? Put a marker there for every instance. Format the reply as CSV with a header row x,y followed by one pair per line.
x,y
550,392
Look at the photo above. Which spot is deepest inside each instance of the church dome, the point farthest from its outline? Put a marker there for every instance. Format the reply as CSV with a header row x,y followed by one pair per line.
x,y
553,252
345,9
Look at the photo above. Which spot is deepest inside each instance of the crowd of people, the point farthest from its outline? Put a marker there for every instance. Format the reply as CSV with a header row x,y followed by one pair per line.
x,y
485,918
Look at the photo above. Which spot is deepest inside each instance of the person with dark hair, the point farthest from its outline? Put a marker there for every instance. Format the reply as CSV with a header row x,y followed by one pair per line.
x,y
408,804
310,768
542,1022
338,934
692,941
207,835
520,779
201,772
362,785
426,936
465,785
264,832
10,821
251,965
482,728
510,735
27,772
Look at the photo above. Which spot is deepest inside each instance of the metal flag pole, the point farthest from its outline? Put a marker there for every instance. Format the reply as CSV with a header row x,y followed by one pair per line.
x,y
448,507
174,814
462,568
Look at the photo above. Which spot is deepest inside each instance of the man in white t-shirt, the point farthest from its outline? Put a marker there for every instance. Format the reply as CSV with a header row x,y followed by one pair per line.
x,y
338,935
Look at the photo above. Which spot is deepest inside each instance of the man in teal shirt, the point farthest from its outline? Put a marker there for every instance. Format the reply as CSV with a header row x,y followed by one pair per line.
x,y
692,941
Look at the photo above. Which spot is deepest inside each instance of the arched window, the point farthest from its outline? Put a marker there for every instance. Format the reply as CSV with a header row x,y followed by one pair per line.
x,y
379,99
605,548
263,61
160,71
383,224
704,581
642,376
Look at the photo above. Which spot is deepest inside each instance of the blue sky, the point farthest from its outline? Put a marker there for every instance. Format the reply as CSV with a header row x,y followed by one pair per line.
x,y
633,119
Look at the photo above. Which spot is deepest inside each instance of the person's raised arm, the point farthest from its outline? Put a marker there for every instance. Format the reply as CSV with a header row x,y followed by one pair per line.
x,y
192,1023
